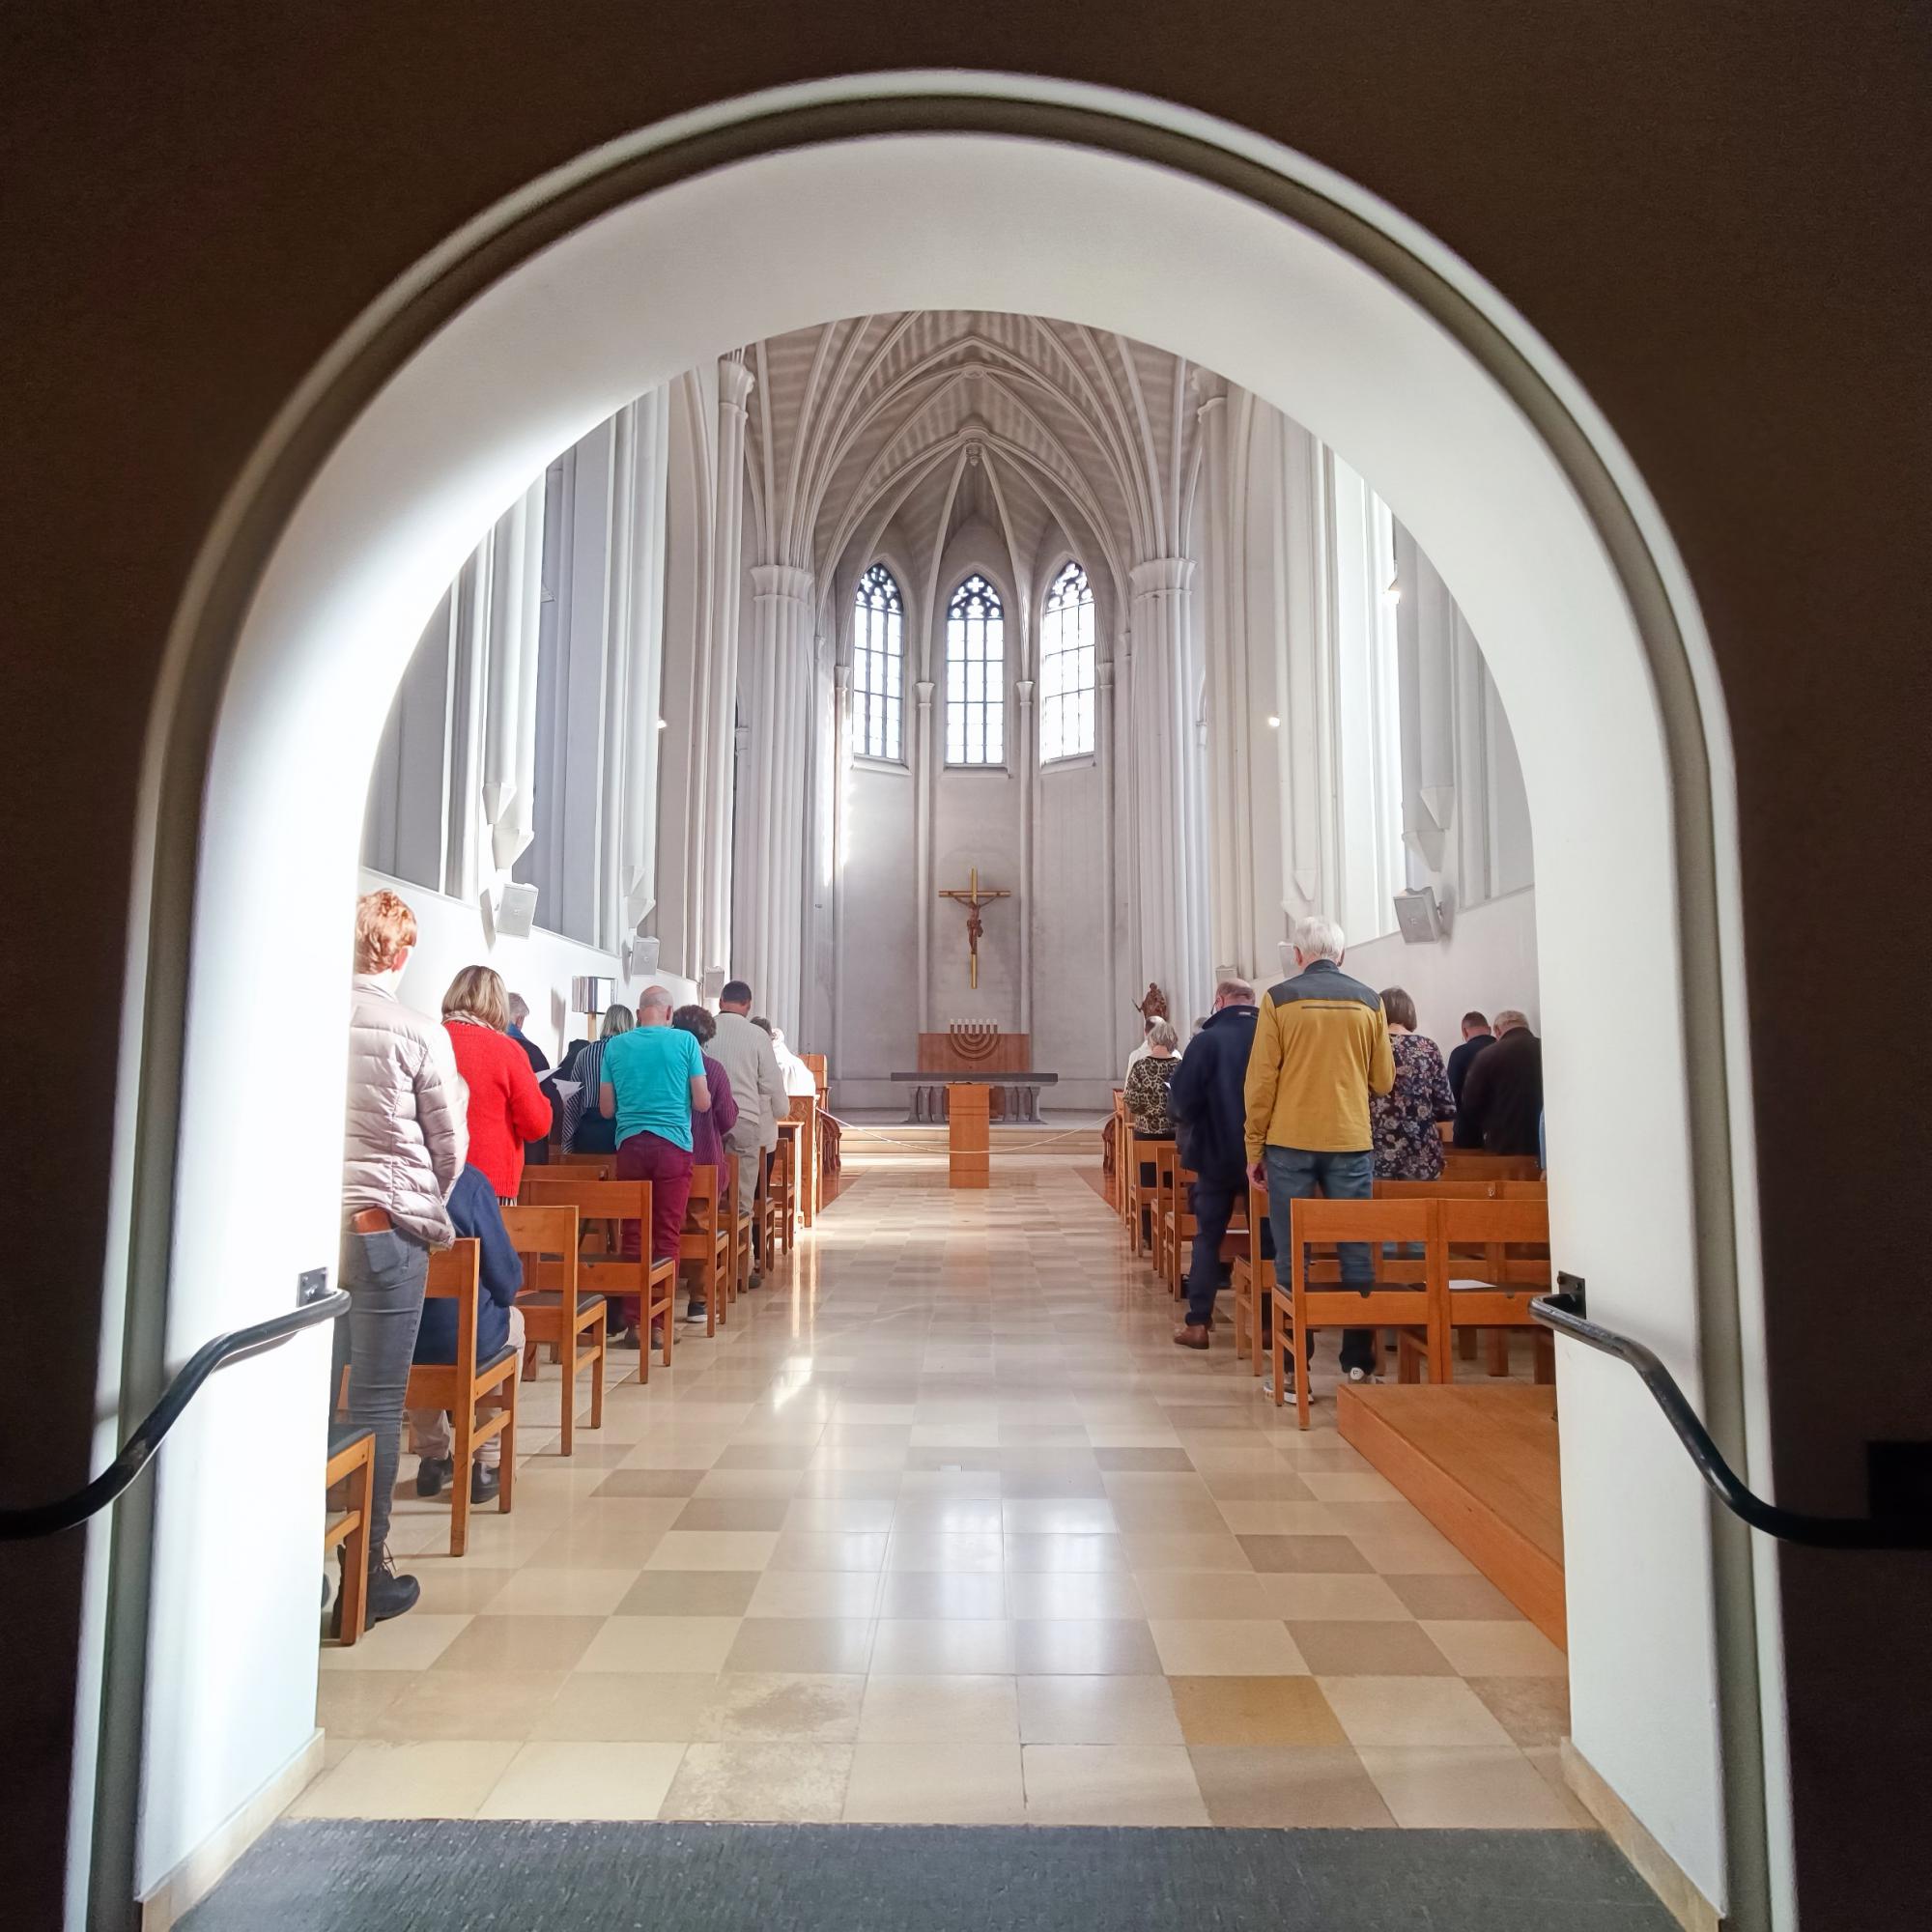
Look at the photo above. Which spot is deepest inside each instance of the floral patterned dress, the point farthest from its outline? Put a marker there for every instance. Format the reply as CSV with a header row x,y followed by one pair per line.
x,y
1408,1146
1147,1082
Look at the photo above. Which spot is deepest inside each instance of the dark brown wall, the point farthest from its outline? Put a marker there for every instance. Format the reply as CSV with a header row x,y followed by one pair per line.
x,y
1716,213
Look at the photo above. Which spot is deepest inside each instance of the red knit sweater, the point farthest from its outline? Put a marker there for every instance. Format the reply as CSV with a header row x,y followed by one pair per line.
x,y
506,1109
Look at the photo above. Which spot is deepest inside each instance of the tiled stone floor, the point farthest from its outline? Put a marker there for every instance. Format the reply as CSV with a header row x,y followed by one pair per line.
x,y
943,1529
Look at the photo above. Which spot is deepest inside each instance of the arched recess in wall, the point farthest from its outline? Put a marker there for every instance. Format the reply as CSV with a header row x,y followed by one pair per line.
x,y
378,479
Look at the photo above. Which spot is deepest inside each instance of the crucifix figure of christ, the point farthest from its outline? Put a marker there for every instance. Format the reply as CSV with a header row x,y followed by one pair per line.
x,y
973,899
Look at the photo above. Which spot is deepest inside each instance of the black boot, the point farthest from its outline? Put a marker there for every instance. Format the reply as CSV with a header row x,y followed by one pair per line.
x,y
431,1472
389,1595
483,1484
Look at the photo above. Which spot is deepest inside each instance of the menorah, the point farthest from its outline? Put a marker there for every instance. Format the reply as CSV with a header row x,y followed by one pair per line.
x,y
973,1039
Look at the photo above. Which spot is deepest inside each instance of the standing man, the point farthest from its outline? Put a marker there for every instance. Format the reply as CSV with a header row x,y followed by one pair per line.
x,y
404,1151
1502,1108
746,1054
1476,1038
1207,1100
651,1082
1322,1047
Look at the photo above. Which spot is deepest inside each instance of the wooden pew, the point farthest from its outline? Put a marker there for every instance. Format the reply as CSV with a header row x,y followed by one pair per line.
x,y
707,1240
555,1308
1161,1206
462,1385
652,1282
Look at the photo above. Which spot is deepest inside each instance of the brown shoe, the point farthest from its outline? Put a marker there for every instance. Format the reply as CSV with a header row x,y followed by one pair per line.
x,y
1187,1336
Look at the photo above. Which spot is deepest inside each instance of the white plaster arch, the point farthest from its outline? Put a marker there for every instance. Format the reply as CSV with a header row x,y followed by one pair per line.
x,y
373,487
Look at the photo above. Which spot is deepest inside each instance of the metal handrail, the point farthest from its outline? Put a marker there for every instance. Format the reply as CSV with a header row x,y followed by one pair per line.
x,y
1819,1532
223,1351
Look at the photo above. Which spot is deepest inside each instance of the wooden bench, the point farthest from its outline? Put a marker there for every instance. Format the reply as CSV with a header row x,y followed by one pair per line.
x,y
557,1310
707,1241
352,1460
1161,1206
651,1283
462,1387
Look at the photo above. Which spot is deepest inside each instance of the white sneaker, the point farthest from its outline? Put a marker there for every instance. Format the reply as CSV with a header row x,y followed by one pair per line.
x,y
1362,1376
1267,1386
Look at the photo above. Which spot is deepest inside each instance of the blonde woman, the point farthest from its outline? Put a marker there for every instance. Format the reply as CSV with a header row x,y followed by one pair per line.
x,y
506,1106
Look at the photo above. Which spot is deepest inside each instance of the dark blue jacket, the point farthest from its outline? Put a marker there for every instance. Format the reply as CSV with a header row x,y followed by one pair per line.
x,y
474,1211
1206,1097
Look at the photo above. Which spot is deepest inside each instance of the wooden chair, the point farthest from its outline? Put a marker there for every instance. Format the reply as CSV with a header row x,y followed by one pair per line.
x,y
781,1189
462,1385
352,1459
707,1240
1248,1282
652,1283
555,1309
744,1220
1301,1307
1493,1295
1161,1208
1474,1164
805,1112
1176,1225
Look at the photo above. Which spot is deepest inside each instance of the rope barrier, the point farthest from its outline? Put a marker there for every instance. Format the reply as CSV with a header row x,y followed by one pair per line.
x,y
880,1137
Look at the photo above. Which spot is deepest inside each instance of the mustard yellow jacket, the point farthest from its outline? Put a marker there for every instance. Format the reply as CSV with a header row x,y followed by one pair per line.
x,y
1322,1047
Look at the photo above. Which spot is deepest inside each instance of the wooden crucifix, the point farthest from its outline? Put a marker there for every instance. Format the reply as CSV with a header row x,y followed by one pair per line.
x,y
973,899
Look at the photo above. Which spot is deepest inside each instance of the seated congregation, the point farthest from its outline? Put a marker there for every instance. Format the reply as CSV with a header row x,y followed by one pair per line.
x,y
1319,1123
495,1208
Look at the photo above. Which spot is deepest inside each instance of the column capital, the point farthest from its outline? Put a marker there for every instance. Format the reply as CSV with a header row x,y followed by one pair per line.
x,y
735,383
1023,689
1162,576
1209,388
781,580
1103,674
841,678
923,690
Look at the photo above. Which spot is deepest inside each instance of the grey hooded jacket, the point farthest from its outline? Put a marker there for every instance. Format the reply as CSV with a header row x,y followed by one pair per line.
x,y
406,1133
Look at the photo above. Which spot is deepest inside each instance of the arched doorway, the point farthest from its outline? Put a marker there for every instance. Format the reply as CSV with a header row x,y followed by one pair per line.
x,y
552,313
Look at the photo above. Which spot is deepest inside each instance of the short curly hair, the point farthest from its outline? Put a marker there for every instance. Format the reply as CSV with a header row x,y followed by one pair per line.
x,y
696,1020
384,925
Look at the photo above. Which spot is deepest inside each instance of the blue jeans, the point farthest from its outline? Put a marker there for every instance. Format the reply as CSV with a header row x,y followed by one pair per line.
x,y
1299,1174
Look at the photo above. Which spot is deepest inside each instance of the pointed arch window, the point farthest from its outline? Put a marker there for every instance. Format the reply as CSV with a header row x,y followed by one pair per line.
x,y
1067,668
878,664
975,675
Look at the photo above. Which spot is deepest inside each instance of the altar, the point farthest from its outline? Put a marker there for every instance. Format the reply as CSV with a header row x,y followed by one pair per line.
x,y
964,1102
975,1052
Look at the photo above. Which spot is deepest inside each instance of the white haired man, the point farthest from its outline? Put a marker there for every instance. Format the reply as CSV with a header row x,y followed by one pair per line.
x,y
1322,1047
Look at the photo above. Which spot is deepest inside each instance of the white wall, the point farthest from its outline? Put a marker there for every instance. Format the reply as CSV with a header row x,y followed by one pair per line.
x,y
1488,961
877,978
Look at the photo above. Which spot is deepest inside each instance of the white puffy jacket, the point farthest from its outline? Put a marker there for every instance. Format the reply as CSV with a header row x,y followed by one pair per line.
x,y
407,1135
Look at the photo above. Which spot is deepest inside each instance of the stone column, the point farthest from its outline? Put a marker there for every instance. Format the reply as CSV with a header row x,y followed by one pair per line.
x,y
718,715
637,694
772,840
841,760
1026,761
1231,900
1303,666
1170,843
923,780
1108,765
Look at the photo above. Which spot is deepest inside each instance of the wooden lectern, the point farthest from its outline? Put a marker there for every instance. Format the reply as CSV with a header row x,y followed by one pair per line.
x,y
968,1135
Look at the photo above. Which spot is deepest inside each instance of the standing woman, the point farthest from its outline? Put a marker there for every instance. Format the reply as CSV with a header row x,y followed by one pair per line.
x,y
1403,1120
584,1129
506,1109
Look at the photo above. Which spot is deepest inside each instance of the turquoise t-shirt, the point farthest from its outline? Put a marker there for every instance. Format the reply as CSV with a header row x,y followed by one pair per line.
x,y
653,1068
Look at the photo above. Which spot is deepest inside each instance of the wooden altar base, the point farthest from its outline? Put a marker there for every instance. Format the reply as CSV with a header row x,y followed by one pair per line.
x,y
1481,1464
968,1136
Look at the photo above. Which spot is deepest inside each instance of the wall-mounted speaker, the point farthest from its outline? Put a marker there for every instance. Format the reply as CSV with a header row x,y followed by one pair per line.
x,y
515,911
1419,917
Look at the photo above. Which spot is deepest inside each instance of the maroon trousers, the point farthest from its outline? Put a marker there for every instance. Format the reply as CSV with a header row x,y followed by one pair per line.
x,y
667,1166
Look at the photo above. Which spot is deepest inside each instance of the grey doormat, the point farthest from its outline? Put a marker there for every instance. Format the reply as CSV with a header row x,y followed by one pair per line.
x,y
467,1876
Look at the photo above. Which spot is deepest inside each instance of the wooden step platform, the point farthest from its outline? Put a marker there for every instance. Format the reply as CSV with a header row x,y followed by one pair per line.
x,y
1481,1464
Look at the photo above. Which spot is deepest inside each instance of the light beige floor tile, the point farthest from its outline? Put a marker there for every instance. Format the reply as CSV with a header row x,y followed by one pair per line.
x,y
1201,1648
1185,1550
917,1647
1333,1487
1460,1598
453,1585
925,1515
1279,1519
1037,1553
1216,1596
1338,1648
982,1553
627,1707
538,1589
967,1783
805,1707
1513,1648
934,1710
831,1645
411,1780
589,1545
751,1483
943,1593
349,1703
553,1779
1535,1711
654,1644
1418,1555
1097,1711
1074,1594
848,1593
1111,1784
714,1550
839,1549
1465,1789
1316,1598
1260,1710
412,1642
690,1593
1067,1516
1406,1713
833,1515
538,1641
783,1783
1109,1647
501,1705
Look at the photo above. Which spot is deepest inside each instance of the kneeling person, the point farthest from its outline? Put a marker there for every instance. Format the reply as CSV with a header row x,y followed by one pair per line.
x,y
474,1215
